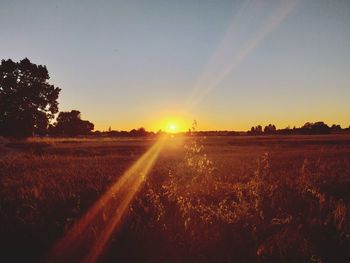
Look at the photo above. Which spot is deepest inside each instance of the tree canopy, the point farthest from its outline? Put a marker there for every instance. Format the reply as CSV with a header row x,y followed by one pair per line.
x,y
27,100
71,124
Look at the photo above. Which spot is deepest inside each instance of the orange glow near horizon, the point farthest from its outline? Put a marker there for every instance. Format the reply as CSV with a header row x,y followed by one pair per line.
x,y
172,124
172,127
183,124
167,121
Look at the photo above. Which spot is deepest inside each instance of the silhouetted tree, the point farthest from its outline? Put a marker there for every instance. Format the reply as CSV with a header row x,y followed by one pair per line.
x,y
139,132
285,131
321,128
27,100
256,130
336,127
71,124
315,128
270,129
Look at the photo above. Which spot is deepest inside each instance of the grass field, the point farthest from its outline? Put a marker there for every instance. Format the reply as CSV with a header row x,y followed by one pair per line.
x,y
214,199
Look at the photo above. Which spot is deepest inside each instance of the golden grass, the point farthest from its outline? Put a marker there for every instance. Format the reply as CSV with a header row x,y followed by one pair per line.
x,y
209,199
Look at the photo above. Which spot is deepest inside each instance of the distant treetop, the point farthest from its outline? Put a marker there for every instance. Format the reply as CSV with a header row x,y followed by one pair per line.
x,y
71,124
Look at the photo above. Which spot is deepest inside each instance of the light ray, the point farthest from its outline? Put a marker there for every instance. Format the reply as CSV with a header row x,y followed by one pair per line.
x,y
230,54
90,235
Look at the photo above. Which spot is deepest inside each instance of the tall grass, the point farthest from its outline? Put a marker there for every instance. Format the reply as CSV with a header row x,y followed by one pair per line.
x,y
201,203
272,216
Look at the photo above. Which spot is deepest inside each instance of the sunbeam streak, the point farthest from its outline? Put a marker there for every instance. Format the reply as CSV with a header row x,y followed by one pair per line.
x,y
90,235
231,52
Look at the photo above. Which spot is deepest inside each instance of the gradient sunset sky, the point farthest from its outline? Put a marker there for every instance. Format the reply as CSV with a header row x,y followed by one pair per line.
x,y
228,64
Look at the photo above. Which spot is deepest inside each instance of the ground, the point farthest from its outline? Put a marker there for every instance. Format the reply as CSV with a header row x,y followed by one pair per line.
x,y
205,199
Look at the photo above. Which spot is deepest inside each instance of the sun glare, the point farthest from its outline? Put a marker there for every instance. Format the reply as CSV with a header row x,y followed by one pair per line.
x,y
172,123
172,127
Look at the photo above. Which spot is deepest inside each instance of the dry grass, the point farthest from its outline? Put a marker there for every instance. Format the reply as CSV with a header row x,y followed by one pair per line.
x,y
216,199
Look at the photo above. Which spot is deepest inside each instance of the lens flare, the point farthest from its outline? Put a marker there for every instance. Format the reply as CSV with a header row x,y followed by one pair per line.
x,y
90,235
230,52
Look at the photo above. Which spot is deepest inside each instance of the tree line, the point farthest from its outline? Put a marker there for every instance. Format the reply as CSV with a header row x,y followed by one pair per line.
x,y
309,128
28,103
140,132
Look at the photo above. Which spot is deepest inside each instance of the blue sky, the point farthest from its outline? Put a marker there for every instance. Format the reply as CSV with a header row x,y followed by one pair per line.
x,y
227,64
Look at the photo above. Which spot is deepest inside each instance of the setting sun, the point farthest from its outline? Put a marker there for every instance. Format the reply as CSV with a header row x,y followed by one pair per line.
x,y
182,131
171,122
172,127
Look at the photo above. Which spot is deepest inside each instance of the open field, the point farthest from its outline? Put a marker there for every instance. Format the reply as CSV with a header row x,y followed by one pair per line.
x,y
214,199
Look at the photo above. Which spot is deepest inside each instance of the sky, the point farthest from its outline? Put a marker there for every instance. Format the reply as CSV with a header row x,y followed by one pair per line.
x,y
227,64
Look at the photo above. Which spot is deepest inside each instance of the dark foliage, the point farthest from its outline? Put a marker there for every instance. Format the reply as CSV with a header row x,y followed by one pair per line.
x,y
256,130
27,100
308,128
140,132
71,124
270,129
315,128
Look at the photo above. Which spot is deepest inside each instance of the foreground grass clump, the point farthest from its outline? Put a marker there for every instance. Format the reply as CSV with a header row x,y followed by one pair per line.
x,y
44,190
230,199
275,214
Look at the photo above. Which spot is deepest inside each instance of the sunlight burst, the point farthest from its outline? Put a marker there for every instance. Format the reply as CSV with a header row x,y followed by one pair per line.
x,y
172,127
94,230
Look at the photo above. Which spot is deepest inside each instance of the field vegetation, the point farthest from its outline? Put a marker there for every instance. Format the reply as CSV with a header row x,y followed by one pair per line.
x,y
207,199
